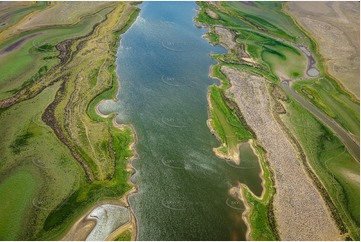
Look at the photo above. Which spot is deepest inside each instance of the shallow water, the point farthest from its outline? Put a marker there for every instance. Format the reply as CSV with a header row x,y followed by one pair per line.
x,y
163,65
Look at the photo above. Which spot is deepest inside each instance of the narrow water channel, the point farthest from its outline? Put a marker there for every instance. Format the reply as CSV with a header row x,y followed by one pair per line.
x,y
163,65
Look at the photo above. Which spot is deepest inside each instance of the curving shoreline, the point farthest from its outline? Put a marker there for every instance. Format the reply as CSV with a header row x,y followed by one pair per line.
x,y
125,198
122,201
235,157
84,222
89,224
242,187
310,71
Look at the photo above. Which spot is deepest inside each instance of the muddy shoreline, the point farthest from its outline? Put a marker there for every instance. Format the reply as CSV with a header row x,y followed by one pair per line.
x,y
242,187
122,201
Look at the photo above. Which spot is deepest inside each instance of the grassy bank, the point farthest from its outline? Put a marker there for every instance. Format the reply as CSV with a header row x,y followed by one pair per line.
x,y
334,166
227,125
267,41
261,218
231,129
111,179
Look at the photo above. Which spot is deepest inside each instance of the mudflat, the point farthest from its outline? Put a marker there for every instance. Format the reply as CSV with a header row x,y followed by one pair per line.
x,y
336,28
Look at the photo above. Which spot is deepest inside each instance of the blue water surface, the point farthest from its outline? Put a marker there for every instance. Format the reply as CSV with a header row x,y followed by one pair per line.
x,y
163,64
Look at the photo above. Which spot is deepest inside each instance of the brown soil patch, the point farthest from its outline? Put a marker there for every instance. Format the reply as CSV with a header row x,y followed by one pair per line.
x,y
17,44
335,27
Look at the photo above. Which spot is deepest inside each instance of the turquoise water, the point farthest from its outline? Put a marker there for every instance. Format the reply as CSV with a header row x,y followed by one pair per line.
x,y
163,65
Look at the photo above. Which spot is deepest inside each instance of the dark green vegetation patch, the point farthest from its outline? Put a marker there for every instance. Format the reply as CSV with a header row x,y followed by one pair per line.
x,y
20,142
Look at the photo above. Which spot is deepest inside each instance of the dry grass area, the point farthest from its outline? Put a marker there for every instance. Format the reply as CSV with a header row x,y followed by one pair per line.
x,y
335,26
300,211
60,13
226,37
6,4
57,14
212,14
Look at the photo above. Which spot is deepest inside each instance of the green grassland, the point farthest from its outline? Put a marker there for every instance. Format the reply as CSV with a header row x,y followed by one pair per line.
x,y
266,32
269,36
51,125
325,93
45,163
126,236
285,61
18,189
333,164
21,64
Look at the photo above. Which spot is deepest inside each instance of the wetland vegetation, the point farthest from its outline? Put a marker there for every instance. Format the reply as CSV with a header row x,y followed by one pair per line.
x,y
263,39
59,157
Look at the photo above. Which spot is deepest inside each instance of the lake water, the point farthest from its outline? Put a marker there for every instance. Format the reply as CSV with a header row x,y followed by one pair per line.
x,y
163,65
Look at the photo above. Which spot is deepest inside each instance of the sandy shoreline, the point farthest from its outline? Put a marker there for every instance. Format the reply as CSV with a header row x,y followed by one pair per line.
x,y
124,200
132,225
253,143
98,112
246,214
242,187
85,225
235,156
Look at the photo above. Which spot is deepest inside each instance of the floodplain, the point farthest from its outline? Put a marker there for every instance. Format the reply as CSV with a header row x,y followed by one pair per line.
x,y
176,116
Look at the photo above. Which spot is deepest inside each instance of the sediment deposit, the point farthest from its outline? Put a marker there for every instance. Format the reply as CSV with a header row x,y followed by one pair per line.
x,y
300,211
336,28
